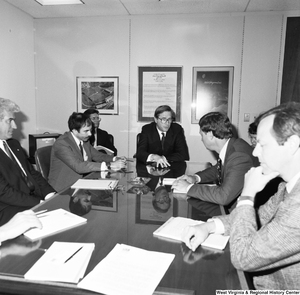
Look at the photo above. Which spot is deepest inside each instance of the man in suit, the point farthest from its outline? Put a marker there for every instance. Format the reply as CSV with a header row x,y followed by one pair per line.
x,y
72,156
270,251
235,159
162,141
99,136
21,186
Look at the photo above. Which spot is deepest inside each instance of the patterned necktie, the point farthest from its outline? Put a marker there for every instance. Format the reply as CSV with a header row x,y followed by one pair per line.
x,y
11,156
81,149
162,140
219,169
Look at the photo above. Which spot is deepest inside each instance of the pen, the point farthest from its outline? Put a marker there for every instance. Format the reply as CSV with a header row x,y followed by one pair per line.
x,y
73,254
40,212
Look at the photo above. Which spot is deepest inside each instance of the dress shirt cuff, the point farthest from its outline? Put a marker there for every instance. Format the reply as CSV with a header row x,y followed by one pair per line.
x,y
149,158
220,229
244,200
49,195
198,178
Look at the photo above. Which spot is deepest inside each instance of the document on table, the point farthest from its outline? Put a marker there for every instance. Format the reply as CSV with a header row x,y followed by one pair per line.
x,y
54,222
173,229
128,270
62,262
101,184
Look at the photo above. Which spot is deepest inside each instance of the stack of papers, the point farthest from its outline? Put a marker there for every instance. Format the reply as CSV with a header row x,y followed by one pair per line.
x,y
128,270
54,222
62,262
101,184
103,148
173,229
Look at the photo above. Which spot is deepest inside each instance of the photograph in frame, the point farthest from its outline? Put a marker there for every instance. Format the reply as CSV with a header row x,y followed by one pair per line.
x,y
212,91
101,93
158,86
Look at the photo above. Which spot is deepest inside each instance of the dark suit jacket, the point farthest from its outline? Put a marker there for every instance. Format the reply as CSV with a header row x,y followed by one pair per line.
x,y
67,164
175,147
14,192
238,160
103,139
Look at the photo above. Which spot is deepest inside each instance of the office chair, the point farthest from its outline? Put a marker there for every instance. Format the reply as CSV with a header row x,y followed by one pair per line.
x,y
43,159
137,143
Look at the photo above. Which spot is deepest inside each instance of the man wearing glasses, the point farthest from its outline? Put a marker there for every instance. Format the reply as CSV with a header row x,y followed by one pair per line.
x,y
162,141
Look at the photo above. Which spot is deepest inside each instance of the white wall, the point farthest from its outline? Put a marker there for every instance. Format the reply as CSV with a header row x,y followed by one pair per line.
x,y
17,67
116,46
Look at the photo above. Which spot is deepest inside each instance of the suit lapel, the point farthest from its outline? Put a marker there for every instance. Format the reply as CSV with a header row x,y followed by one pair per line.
x,y
73,144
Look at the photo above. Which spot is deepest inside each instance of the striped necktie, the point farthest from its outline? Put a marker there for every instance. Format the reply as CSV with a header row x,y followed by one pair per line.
x,y
219,169
81,149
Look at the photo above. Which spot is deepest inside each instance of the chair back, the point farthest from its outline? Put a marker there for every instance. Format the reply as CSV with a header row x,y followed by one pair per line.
x,y
111,139
137,143
43,159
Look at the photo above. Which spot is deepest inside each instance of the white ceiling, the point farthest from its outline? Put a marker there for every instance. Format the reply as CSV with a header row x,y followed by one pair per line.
x,y
152,7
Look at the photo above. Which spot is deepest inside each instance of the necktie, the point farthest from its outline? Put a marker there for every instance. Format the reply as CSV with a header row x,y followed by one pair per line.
x,y
81,148
219,169
162,140
11,156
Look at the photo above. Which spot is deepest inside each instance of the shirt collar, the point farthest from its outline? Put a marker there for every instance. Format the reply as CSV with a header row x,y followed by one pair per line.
x,y
223,151
76,139
290,185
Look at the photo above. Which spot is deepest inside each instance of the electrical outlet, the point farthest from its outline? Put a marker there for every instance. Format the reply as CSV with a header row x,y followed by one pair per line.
x,y
246,117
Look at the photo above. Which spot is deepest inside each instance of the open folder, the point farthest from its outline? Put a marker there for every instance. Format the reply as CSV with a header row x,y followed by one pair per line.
x,y
173,229
54,222
62,262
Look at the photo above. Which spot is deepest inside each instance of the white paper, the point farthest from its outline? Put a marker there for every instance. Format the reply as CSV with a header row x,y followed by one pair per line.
x,y
54,222
173,229
128,270
63,262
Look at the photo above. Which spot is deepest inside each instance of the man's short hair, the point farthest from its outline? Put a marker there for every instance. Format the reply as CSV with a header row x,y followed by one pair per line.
x,y
252,129
164,108
78,120
91,111
8,106
217,123
286,121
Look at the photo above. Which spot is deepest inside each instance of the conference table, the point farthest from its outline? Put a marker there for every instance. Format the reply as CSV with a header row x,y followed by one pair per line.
x,y
128,215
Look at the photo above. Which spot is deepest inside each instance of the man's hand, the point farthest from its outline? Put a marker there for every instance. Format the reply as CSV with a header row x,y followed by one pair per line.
x,y
161,161
188,178
181,185
118,164
194,235
19,224
255,181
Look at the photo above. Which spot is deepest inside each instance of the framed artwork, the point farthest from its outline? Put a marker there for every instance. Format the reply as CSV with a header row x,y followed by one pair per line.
x,y
101,93
148,213
212,91
158,86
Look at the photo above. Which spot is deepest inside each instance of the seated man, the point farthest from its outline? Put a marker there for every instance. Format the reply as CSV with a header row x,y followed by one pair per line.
x,y
271,252
162,141
21,186
235,154
99,136
72,156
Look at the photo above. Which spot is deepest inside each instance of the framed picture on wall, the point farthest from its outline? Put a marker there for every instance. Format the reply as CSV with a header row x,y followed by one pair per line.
x,y
212,91
158,86
101,93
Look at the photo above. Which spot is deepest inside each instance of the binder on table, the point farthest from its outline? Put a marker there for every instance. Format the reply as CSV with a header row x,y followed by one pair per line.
x,y
100,184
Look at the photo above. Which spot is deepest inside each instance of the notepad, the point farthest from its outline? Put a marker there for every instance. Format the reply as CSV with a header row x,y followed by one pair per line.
x,y
62,262
54,222
128,270
100,184
168,181
173,229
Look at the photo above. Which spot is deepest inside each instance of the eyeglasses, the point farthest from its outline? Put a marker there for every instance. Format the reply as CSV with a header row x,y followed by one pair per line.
x,y
164,120
95,118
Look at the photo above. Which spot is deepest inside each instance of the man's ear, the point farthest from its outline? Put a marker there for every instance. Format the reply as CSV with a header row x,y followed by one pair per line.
x,y
293,143
74,131
210,135
155,119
